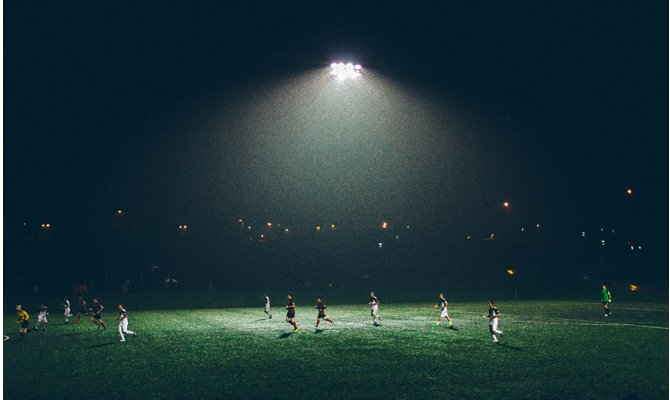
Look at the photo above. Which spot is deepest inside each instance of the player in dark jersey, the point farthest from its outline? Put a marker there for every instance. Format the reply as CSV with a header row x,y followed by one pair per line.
x,y
23,320
82,309
290,313
493,321
97,314
322,312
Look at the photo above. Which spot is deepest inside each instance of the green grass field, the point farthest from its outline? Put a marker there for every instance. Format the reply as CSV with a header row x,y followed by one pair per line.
x,y
551,350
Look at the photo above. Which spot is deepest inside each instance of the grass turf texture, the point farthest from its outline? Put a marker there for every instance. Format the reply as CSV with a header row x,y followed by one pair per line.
x,y
550,350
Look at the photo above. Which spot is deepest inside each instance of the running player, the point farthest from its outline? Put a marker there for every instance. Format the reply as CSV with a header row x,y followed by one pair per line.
x,y
290,313
66,307
322,312
42,313
82,309
443,311
607,299
23,320
123,324
493,322
97,314
374,302
267,306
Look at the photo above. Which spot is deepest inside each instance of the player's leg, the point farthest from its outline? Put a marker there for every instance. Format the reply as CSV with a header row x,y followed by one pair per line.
x,y
123,339
104,327
318,320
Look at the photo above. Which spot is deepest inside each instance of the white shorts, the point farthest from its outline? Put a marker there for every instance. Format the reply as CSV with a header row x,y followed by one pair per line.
x,y
374,310
42,318
123,325
444,313
267,308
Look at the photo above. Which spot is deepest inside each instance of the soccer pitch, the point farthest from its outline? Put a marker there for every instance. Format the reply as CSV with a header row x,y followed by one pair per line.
x,y
551,350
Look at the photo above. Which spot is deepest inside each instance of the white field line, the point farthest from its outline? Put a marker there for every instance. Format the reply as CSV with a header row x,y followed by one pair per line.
x,y
591,323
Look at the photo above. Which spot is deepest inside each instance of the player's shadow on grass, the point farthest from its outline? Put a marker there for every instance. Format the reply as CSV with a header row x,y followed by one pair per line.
x,y
102,345
509,346
285,335
72,334
317,330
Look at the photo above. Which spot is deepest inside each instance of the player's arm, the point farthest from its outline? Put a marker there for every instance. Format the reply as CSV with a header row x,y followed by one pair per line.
x,y
496,315
100,310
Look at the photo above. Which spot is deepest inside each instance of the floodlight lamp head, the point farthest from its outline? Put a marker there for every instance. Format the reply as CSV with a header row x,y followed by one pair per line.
x,y
343,71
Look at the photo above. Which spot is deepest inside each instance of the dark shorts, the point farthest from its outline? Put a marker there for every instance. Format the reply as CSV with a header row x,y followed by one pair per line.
x,y
24,325
605,303
290,315
97,316
321,316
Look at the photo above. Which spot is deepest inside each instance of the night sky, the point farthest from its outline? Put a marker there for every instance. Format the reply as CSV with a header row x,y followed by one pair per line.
x,y
199,113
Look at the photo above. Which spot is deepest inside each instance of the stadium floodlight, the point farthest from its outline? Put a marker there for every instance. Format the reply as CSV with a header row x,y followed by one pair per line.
x,y
342,70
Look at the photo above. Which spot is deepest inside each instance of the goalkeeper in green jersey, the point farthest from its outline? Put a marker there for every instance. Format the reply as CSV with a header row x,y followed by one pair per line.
x,y
607,299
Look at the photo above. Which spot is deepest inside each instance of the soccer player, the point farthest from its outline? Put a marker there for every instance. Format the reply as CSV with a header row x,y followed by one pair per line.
x,y
97,314
23,320
374,302
322,312
493,322
443,311
607,299
82,309
290,313
66,307
267,306
42,313
123,324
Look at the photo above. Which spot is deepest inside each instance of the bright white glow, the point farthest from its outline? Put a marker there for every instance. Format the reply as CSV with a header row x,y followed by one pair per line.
x,y
342,70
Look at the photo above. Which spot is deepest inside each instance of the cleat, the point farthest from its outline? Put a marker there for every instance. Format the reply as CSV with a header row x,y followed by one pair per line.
x,y
122,340
134,334
450,325
607,315
331,322
295,330
436,324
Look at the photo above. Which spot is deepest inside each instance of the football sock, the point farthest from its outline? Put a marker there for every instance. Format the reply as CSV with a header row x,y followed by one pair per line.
x,y
317,322
328,320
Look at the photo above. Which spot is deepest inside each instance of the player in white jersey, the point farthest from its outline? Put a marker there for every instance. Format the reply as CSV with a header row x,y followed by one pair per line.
x,y
267,306
374,302
66,308
444,313
123,324
493,322
42,313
